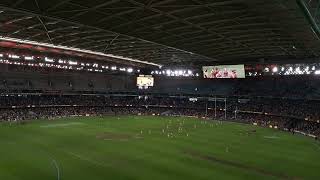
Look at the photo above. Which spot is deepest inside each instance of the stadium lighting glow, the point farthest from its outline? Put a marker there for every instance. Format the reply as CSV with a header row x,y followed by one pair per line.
x,y
113,68
130,70
76,49
13,56
49,60
73,63
177,72
61,61
28,57
275,69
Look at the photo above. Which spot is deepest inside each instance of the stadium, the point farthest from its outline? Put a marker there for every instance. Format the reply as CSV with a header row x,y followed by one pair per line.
x,y
170,89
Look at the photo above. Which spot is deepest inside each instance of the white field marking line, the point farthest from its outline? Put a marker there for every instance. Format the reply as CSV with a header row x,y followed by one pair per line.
x,y
271,137
62,125
116,139
317,145
86,159
54,162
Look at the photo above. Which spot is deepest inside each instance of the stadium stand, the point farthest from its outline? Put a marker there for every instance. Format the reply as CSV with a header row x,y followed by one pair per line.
x,y
285,114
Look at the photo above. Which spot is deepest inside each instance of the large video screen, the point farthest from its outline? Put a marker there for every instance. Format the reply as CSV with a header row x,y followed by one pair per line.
x,y
224,71
144,81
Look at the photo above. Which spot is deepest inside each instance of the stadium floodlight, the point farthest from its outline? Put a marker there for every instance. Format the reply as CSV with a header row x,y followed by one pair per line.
x,y
76,50
130,70
73,63
168,72
298,70
28,57
275,69
61,61
46,59
307,68
13,56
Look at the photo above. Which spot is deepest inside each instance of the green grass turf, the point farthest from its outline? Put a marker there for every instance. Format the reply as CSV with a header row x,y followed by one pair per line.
x,y
94,148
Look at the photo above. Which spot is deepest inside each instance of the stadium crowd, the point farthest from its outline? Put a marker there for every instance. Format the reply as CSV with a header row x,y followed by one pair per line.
x,y
290,115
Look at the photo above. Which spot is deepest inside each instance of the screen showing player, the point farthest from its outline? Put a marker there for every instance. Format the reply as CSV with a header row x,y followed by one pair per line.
x,y
224,71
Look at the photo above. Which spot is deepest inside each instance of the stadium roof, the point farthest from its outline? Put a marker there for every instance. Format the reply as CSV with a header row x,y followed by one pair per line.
x,y
167,32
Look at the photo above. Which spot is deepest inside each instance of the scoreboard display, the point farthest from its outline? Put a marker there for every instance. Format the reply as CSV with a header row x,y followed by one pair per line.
x,y
145,81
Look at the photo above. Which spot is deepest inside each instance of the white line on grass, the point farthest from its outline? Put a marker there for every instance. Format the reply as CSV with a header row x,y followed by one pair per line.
x,y
54,162
271,137
317,145
62,125
86,159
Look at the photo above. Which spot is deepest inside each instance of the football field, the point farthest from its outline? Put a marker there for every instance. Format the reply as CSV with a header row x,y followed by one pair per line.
x,y
153,148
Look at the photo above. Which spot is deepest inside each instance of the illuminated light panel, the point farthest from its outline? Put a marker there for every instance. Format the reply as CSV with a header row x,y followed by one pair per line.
x,y
48,60
77,50
13,56
73,63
